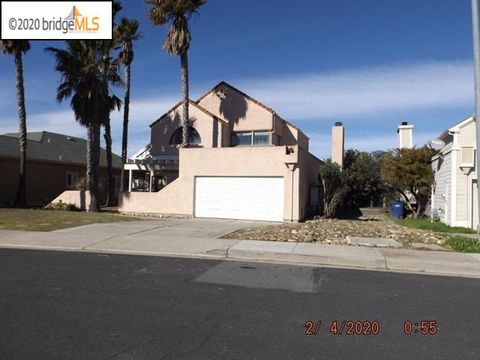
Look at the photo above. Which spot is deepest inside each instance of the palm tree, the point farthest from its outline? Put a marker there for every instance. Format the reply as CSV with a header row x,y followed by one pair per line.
x,y
108,46
177,13
17,48
115,104
83,70
127,33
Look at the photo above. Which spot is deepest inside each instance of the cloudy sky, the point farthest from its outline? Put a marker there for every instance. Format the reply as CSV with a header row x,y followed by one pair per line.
x,y
370,64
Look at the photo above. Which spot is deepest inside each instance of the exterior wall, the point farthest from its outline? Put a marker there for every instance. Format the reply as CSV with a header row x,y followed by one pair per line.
x,y
405,136
441,197
308,166
466,135
81,199
45,180
278,130
242,113
207,127
338,144
251,161
174,199
454,188
302,140
463,190
289,135
178,197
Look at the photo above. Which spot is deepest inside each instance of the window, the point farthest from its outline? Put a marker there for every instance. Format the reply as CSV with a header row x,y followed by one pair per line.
x,y
242,139
70,179
260,138
193,137
250,138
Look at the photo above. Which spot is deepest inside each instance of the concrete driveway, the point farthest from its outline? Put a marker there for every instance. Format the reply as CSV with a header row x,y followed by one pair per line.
x,y
170,236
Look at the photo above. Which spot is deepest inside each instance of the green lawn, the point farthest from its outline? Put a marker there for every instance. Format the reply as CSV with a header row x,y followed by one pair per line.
x,y
464,244
425,224
48,220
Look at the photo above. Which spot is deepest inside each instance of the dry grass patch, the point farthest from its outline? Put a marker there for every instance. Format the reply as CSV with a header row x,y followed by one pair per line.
x,y
48,220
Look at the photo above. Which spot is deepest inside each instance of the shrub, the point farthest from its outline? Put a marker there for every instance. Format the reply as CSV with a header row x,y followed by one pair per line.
x,y
60,205
333,188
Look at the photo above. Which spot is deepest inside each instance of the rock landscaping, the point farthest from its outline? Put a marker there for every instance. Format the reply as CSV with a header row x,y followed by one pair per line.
x,y
333,231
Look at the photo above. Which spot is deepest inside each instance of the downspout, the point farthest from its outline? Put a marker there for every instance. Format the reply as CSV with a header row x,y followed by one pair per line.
x,y
291,194
292,168
273,128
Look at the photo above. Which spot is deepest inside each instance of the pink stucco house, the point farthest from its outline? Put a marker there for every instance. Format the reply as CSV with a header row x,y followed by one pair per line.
x,y
244,162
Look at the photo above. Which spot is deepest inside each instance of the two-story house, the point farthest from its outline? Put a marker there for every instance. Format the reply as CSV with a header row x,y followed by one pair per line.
x,y
243,162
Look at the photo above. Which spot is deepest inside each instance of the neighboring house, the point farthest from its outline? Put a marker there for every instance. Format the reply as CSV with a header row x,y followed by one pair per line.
x,y
55,163
244,162
454,195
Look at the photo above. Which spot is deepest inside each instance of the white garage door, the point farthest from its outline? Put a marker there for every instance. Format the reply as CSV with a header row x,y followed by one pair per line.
x,y
246,198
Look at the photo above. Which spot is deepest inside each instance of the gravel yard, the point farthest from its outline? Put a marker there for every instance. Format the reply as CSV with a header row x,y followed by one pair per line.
x,y
333,231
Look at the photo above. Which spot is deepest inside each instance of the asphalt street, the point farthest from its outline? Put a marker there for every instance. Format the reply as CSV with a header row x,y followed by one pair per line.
x,y
61,305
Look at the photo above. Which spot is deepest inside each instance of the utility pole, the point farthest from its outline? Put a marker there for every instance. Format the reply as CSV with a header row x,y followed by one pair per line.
x,y
476,52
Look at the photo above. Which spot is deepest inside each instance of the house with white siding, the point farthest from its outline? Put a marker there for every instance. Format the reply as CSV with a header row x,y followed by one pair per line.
x,y
454,194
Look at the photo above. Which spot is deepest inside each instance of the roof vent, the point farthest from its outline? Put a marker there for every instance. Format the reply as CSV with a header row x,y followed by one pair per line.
x,y
404,123
338,123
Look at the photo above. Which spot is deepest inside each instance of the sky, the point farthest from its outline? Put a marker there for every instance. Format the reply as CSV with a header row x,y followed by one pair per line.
x,y
370,64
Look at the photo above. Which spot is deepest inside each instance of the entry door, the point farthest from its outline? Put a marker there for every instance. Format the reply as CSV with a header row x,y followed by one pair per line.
x,y
244,198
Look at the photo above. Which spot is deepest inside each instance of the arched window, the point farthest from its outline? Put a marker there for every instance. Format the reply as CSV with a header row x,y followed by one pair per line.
x,y
193,137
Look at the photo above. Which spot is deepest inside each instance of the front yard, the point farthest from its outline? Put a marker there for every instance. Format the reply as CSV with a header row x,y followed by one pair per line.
x,y
333,231
48,220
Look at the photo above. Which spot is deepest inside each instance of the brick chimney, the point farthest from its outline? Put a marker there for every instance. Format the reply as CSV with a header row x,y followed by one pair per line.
x,y
405,135
338,143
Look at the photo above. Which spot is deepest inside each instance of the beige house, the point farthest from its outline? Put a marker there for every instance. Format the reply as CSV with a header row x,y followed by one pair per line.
x,y
244,162
454,196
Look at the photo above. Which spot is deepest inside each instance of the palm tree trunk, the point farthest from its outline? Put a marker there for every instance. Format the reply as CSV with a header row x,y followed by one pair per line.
x,y
111,196
184,75
20,197
93,159
126,110
88,181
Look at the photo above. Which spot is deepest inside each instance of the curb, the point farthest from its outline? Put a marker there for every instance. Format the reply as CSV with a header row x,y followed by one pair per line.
x,y
284,258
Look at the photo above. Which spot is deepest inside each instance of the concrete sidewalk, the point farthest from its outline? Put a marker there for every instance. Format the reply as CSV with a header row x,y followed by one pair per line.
x,y
200,238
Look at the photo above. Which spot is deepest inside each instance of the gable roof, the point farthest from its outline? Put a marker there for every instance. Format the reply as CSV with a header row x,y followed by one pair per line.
x,y
223,83
191,102
445,134
220,84
255,101
462,124
53,147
